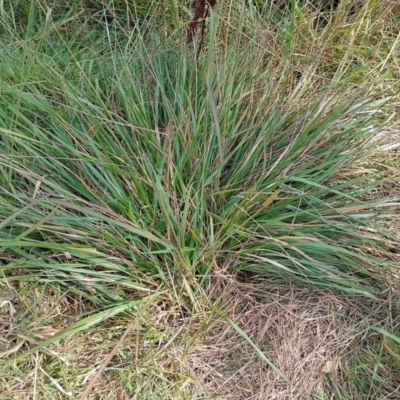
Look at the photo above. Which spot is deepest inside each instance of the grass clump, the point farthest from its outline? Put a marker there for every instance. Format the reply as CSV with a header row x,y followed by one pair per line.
x,y
135,170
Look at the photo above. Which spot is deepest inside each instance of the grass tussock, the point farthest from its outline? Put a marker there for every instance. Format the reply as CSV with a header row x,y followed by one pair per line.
x,y
139,174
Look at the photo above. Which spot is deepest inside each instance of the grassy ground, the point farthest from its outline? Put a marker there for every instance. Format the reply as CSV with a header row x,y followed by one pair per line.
x,y
206,221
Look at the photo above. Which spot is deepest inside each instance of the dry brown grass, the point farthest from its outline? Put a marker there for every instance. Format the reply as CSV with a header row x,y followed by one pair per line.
x,y
317,338
313,336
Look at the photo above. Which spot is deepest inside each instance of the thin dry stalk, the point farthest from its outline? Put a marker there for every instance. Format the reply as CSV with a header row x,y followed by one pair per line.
x,y
200,10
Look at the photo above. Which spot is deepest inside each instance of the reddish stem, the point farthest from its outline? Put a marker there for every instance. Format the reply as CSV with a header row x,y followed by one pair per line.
x,y
200,12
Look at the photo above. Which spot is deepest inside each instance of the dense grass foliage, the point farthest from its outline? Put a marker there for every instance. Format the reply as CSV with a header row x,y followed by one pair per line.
x,y
132,164
165,164
94,14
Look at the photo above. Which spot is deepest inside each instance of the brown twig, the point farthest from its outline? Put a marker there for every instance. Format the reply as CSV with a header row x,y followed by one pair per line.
x,y
200,10
89,387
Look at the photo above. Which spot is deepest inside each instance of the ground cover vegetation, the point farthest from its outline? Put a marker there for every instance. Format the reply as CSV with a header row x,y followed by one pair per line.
x,y
199,199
